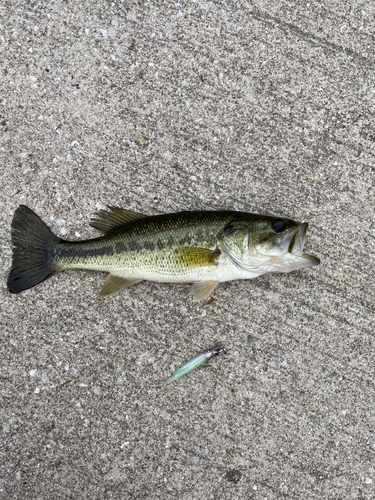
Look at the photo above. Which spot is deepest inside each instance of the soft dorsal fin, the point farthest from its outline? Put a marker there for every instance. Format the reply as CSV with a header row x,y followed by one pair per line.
x,y
108,221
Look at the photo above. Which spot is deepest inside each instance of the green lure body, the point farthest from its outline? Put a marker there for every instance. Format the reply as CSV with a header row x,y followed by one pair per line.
x,y
192,364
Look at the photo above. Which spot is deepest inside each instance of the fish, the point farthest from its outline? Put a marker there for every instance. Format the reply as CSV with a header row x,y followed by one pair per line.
x,y
204,248
193,363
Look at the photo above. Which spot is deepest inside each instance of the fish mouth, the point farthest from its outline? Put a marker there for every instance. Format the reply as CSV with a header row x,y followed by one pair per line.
x,y
297,242
298,239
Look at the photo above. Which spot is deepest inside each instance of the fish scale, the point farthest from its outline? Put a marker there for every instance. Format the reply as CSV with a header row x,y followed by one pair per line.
x,y
149,249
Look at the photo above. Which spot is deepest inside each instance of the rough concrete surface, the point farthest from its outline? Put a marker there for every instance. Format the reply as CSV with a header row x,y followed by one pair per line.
x,y
160,106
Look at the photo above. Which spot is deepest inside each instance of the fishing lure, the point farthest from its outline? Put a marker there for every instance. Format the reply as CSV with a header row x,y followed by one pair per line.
x,y
193,363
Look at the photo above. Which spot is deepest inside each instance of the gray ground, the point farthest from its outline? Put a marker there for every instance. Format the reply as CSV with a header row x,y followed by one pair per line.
x,y
161,106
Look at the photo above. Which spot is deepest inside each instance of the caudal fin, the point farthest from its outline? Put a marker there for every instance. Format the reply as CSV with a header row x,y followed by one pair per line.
x,y
33,250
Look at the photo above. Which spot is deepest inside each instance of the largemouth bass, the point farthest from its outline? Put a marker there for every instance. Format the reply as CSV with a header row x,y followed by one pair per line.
x,y
203,248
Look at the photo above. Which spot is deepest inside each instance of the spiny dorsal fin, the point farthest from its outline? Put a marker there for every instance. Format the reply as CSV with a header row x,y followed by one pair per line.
x,y
114,284
108,221
202,289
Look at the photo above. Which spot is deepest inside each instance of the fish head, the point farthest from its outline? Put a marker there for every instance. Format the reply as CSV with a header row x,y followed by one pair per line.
x,y
268,244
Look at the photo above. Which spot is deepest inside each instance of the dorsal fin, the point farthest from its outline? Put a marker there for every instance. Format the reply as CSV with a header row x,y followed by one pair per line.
x,y
108,221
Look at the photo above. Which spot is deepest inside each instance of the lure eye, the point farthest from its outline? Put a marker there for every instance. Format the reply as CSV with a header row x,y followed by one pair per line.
x,y
216,349
278,225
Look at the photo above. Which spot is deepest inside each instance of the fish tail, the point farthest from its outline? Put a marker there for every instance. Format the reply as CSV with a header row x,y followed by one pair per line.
x,y
33,253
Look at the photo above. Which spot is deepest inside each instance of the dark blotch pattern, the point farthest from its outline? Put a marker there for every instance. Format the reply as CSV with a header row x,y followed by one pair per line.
x,y
160,244
133,246
149,245
120,247
66,252
95,252
185,240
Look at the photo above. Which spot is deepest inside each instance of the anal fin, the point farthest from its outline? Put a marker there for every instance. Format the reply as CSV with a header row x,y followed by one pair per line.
x,y
202,289
114,284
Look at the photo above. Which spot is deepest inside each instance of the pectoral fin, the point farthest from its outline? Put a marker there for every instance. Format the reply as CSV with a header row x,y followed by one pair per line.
x,y
114,284
197,257
202,289
108,221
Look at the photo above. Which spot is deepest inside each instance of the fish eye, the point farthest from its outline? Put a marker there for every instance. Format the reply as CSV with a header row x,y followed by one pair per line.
x,y
278,225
